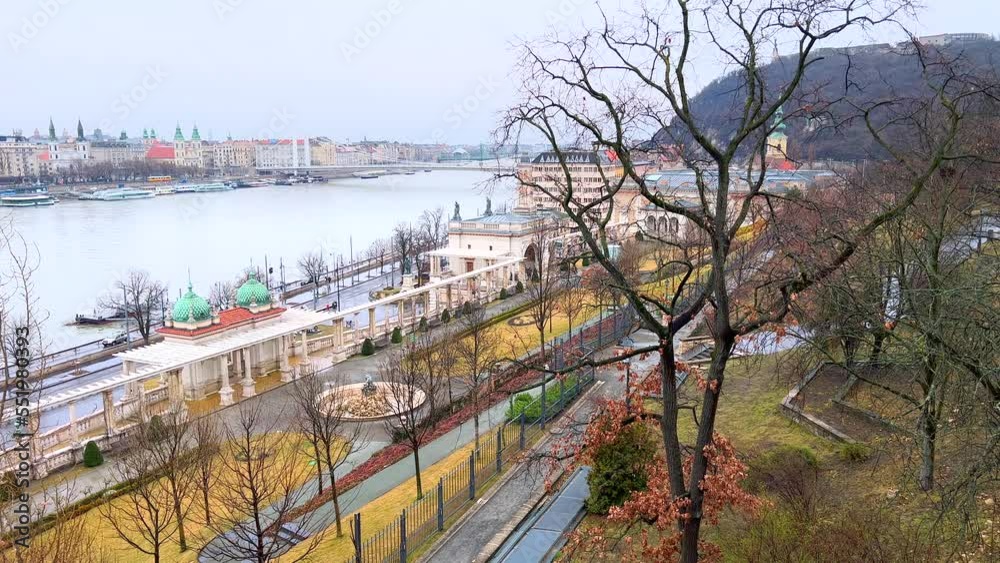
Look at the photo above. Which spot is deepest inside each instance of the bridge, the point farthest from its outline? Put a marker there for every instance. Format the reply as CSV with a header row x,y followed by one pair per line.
x,y
505,165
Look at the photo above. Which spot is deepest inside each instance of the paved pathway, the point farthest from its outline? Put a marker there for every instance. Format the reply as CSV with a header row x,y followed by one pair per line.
x,y
482,530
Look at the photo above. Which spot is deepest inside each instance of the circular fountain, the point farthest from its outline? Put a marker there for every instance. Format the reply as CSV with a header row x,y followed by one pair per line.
x,y
370,400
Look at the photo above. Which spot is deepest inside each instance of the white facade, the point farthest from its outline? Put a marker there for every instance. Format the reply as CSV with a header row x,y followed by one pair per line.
x,y
283,153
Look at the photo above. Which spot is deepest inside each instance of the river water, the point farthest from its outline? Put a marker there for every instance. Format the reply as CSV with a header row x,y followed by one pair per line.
x,y
83,247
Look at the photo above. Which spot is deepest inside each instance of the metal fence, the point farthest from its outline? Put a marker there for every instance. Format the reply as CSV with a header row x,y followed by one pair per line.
x,y
423,518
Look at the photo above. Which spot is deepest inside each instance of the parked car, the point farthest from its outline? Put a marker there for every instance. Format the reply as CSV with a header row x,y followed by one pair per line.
x,y
116,340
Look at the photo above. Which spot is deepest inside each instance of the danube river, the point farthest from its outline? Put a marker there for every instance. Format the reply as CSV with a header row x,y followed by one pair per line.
x,y
84,246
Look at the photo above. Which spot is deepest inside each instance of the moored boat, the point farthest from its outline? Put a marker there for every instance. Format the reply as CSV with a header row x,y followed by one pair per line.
x,y
119,194
165,190
35,197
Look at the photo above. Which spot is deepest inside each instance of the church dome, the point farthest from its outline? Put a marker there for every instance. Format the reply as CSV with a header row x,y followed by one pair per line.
x,y
253,293
191,308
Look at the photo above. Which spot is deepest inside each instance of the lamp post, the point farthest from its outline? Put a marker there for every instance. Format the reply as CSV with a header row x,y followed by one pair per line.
x,y
625,346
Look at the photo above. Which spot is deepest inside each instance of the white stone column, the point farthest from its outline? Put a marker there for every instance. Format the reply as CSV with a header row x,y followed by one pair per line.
x,y
226,391
109,412
143,403
305,365
401,312
371,322
175,392
247,381
74,429
286,370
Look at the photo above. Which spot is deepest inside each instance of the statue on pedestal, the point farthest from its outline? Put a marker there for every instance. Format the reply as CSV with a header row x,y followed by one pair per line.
x,y
369,388
457,216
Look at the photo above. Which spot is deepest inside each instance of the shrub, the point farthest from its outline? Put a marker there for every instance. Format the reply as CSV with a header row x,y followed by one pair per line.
x,y
791,473
586,261
155,429
519,287
503,293
367,347
855,452
423,324
8,486
467,308
397,336
445,316
618,468
92,455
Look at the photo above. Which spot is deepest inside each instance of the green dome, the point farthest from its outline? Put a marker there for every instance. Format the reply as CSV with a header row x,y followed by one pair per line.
x,y
252,293
191,307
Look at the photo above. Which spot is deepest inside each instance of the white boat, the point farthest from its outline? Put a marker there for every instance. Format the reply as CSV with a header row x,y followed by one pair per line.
x,y
165,190
118,194
184,188
365,175
214,187
29,199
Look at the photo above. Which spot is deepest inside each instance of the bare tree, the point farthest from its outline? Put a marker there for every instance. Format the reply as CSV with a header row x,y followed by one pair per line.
x,y
142,515
404,243
607,87
434,227
205,453
402,373
322,417
262,489
167,444
478,351
313,267
69,539
222,294
140,297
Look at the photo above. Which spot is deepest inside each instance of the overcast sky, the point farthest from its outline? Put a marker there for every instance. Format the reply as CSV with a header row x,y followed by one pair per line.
x,y
381,69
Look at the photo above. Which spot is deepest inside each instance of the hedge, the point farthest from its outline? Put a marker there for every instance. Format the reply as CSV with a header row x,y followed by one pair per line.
x,y
532,409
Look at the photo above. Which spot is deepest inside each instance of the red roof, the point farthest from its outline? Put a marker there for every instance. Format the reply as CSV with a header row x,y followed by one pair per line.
x,y
159,151
228,319
44,155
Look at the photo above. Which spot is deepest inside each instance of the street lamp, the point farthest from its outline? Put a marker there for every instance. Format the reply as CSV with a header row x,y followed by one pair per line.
x,y
625,346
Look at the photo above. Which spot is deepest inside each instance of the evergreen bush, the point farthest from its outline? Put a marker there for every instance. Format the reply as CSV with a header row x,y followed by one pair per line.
x,y
397,336
367,347
503,293
619,468
519,287
423,324
445,316
467,308
92,456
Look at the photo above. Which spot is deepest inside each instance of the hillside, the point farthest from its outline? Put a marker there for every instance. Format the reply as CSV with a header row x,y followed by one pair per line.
x,y
868,74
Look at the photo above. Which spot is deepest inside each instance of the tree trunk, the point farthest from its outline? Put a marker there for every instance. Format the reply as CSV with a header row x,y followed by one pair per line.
x,y
179,515
208,510
876,355
416,465
928,433
475,417
691,526
336,498
319,467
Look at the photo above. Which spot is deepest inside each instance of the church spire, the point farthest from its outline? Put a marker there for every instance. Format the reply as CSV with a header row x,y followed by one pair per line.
x,y
178,135
52,130
79,130
195,135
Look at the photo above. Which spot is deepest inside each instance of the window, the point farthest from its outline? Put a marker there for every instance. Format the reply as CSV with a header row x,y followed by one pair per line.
x,y
491,247
468,247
